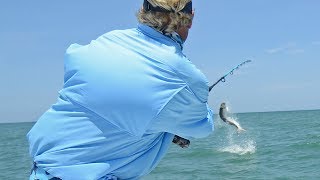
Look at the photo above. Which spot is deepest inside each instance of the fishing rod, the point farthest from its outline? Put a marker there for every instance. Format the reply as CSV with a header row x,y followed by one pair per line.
x,y
184,143
223,78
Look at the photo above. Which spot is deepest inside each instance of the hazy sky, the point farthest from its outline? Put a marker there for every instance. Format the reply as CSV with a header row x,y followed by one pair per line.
x,y
281,37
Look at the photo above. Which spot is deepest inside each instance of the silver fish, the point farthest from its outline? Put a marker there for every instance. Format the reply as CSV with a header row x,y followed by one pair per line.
x,y
222,114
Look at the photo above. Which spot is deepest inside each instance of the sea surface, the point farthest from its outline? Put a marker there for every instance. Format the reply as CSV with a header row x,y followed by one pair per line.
x,y
275,145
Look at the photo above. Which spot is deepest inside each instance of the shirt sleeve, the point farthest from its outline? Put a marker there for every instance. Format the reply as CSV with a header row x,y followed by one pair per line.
x,y
184,115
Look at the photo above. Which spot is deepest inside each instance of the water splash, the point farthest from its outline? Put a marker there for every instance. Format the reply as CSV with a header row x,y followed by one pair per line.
x,y
248,147
236,123
236,141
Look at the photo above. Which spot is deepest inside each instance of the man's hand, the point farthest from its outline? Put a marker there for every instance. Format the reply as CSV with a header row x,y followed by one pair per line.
x,y
184,143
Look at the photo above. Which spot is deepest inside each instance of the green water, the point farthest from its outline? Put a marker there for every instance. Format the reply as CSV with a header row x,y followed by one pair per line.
x,y
275,145
14,159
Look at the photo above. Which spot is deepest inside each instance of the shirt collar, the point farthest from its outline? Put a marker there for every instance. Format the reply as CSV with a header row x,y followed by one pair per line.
x,y
173,39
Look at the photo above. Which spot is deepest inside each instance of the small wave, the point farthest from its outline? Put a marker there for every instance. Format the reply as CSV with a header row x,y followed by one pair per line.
x,y
247,148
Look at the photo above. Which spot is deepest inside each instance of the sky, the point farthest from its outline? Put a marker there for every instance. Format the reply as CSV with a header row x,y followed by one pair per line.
x,y
282,38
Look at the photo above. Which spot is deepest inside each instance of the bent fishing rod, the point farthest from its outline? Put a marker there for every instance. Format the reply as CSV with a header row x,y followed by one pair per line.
x,y
223,78
184,143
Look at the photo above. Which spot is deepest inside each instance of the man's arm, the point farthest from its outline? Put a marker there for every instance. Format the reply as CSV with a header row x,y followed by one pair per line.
x,y
184,115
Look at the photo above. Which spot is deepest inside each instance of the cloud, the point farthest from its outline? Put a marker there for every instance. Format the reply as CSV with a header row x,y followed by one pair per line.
x,y
296,51
289,48
275,50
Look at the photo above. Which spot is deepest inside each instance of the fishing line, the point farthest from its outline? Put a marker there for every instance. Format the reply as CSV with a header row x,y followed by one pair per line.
x,y
223,78
184,143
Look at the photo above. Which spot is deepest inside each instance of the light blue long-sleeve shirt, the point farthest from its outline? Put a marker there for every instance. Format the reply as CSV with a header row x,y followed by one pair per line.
x,y
125,95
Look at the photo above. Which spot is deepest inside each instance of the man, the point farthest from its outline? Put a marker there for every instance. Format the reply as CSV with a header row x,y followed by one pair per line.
x,y
125,96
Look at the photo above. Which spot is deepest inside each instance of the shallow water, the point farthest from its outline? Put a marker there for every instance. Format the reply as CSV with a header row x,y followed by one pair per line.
x,y
275,145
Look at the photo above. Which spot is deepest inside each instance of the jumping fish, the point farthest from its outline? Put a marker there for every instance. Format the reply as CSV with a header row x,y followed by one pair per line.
x,y
222,114
184,143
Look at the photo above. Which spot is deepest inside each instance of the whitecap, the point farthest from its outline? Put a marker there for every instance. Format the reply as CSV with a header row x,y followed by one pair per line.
x,y
249,147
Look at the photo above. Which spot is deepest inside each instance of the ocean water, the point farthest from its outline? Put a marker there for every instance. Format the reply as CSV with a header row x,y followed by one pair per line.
x,y
275,145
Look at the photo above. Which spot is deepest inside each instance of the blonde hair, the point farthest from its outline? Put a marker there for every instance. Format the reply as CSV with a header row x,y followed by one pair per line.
x,y
166,22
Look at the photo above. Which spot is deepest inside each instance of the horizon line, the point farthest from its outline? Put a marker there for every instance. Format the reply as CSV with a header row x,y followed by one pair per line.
x,y
13,122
